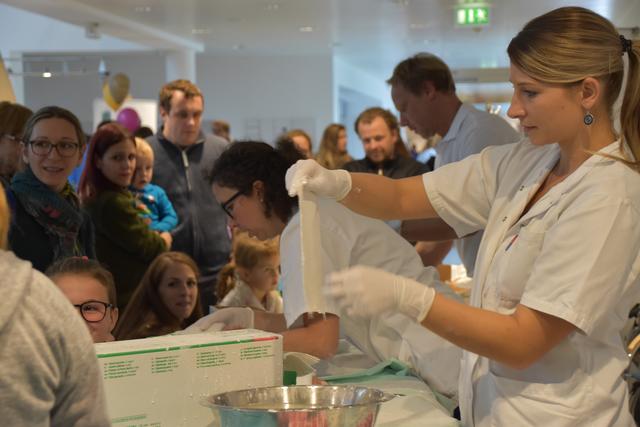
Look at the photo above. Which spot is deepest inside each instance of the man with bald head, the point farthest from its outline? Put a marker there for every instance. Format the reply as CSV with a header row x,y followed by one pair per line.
x,y
424,93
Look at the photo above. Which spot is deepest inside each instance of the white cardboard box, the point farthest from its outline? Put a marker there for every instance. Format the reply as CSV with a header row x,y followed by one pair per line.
x,y
160,381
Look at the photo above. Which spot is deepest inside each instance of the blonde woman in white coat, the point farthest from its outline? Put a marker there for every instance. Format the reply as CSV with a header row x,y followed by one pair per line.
x,y
558,266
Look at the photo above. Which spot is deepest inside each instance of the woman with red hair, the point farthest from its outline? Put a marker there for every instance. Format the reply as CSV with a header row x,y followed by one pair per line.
x,y
124,243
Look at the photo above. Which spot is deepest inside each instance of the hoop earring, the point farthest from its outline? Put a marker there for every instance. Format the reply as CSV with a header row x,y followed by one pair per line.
x,y
588,119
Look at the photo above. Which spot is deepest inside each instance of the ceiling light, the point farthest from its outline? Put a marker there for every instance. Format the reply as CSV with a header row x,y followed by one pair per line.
x,y
47,74
273,6
307,29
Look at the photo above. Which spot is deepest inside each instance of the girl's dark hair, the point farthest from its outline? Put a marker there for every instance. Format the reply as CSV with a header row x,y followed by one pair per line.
x,y
146,306
245,162
85,267
93,182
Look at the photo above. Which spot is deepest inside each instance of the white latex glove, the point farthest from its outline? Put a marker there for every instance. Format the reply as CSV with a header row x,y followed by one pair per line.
x,y
367,292
223,318
333,184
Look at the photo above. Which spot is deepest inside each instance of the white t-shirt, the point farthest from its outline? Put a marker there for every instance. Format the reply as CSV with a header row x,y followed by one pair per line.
x,y
242,296
575,255
349,239
471,131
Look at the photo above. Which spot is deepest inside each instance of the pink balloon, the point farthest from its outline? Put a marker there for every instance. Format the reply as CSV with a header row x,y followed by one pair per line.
x,y
129,118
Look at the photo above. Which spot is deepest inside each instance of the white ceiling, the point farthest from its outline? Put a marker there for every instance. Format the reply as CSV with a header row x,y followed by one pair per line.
x,y
371,34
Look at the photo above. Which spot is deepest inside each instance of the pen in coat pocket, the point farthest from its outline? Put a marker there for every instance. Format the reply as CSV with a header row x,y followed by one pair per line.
x,y
511,243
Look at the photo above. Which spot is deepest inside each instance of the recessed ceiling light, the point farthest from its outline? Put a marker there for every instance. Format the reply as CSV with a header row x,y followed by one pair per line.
x,y
47,74
307,29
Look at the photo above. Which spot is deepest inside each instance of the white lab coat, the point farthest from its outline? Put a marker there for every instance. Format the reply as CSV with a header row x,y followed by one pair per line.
x,y
576,257
349,239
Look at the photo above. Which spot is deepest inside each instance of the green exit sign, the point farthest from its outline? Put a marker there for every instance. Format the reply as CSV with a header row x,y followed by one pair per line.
x,y
468,16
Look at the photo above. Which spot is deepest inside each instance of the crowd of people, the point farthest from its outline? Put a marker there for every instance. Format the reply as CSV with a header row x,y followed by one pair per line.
x,y
165,228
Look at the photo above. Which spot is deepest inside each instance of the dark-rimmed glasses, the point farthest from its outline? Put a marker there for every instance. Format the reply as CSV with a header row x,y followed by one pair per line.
x,y
64,148
226,205
93,311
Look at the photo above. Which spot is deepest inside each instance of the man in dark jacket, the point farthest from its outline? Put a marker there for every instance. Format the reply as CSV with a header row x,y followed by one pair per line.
x,y
385,152
183,156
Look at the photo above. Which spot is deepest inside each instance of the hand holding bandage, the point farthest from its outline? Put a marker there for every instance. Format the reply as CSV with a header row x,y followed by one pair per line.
x,y
367,291
333,184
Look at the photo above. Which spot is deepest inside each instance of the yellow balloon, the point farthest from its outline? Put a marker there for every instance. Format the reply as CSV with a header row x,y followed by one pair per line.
x,y
119,87
106,95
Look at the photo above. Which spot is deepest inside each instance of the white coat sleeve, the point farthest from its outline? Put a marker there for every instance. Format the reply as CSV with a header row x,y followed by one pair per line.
x,y
462,192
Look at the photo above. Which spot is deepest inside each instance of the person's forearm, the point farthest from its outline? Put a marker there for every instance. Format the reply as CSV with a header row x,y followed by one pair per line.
x,y
385,198
319,337
516,340
433,253
271,322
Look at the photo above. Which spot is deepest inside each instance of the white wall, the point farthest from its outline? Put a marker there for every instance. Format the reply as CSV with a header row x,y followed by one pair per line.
x,y
259,95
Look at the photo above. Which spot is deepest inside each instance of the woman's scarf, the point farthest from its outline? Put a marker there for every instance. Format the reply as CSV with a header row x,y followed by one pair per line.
x,y
58,213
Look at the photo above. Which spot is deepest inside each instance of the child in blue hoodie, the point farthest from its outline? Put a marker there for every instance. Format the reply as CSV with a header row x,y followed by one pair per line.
x,y
151,200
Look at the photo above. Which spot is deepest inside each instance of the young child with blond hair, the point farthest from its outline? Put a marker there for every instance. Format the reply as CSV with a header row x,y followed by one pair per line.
x,y
151,200
251,279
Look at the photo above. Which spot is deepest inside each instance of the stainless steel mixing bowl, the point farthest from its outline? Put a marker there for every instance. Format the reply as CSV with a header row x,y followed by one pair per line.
x,y
297,406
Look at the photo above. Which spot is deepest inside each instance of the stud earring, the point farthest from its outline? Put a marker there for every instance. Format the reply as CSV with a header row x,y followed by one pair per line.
x,y
588,119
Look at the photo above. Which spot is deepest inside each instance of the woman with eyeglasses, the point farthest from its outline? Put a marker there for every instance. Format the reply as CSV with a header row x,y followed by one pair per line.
x,y
48,223
90,288
248,180
124,242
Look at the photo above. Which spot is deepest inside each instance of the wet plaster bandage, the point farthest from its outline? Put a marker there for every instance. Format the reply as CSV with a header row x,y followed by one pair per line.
x,y
311,257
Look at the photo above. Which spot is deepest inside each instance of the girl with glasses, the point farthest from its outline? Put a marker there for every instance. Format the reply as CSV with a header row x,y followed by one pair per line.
x,y
124,242
90,288
251,279
48,223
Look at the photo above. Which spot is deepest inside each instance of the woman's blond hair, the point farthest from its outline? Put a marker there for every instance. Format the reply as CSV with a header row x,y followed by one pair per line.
x,y
569,44
143,148
247,253
329,155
